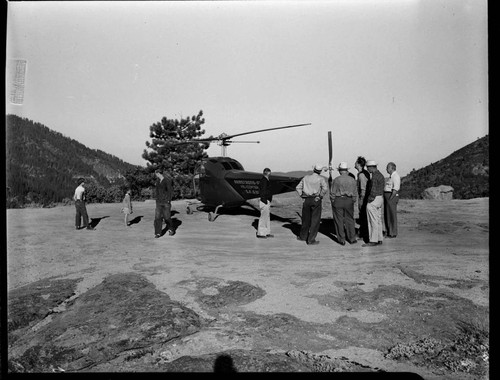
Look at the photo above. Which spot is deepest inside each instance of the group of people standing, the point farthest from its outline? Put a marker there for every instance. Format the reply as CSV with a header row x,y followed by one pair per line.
x,y
163,211
368,200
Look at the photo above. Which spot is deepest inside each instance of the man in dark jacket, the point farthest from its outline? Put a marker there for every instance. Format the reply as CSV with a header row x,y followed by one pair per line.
x,y
363,190
264,228
375,204
164,191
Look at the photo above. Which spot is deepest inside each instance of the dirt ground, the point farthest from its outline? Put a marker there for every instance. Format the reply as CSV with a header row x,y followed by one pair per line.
x,y
213,296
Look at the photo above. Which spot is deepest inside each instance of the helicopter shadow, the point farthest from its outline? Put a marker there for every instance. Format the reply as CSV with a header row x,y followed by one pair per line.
x,y
95,221
175,225
239,210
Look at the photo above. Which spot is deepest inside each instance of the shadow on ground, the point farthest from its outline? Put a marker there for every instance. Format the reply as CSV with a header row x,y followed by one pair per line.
x,y
136,220
95,221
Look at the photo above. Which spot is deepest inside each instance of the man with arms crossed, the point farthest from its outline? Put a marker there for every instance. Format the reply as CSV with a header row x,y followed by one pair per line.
x,y
391,199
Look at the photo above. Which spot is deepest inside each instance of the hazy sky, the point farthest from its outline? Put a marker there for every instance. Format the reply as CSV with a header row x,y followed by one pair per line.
x,y
402,81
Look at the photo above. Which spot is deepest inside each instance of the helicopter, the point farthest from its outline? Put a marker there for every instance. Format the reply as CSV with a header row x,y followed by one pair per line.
x,y
222,182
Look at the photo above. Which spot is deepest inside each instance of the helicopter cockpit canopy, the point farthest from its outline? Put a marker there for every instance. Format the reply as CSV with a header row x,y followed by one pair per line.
x,y
219,165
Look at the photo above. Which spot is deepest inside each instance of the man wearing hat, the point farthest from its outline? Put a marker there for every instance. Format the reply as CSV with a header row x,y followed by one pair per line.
x,y
312,188
81,210
343,196
375,204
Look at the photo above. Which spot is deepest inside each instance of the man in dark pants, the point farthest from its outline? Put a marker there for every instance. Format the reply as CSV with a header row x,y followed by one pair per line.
x,y
363,190
312,188
343,196
375,205
391,199
81,210
164,191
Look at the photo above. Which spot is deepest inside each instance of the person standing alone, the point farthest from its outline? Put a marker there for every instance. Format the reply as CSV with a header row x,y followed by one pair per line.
x,y
375,205
81,210
264,227
164,192
312,188
127,206
391,199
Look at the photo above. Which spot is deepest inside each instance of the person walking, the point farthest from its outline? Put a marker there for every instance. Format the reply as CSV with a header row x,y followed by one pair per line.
x,y
391,199
164,192
127,206
375,204
312,188
362,186
81,210
264,227
343,196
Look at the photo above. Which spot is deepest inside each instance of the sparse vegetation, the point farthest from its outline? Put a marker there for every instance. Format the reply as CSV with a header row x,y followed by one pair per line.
x,y
466,170
468,352
42,165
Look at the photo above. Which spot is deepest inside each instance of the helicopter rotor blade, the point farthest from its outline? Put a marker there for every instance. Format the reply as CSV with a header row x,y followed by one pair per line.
x,y
224,137
264,130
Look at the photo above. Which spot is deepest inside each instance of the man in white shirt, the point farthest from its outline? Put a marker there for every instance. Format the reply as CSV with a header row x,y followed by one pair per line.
x,y
81,210
312,188
391,199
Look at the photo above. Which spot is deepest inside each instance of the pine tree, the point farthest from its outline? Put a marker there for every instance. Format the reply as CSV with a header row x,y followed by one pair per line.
x,y
180,160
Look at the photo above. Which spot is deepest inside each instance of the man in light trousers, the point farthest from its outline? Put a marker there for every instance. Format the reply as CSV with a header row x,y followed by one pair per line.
x,y
264,227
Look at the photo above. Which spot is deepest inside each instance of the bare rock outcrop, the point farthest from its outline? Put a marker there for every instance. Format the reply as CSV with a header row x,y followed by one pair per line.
x,y
441,192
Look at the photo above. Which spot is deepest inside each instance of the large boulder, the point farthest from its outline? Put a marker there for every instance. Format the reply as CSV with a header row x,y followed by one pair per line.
x,y
441,192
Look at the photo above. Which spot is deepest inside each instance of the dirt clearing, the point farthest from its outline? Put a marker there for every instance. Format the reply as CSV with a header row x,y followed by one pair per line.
x,y
214,297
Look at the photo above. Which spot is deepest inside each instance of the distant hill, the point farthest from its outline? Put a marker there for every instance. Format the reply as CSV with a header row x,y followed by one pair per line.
x,y
296,173
43,165
466,170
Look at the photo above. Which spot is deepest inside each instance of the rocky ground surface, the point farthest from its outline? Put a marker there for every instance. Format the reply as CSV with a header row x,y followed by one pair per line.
x,y
214,298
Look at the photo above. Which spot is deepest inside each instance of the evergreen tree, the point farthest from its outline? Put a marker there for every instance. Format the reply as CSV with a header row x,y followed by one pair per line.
x,y
165,152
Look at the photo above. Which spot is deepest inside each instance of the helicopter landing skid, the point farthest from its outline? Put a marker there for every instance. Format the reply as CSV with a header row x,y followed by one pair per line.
x,y
213,215
189,210
199,206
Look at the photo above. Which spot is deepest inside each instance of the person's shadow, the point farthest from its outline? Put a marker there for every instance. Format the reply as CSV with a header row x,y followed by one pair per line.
x,y
175,225
326,228
136,220
289,223
224,363
95,221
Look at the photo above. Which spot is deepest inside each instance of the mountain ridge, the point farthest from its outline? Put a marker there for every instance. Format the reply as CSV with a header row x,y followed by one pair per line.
x,y
466,170
43,165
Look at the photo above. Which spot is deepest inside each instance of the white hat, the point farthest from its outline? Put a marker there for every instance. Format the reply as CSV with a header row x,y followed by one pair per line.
x,y
371,163
318,168
343,166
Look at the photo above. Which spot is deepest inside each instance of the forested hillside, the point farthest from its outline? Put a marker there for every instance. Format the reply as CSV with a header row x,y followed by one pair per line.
x,y
42,165
466,170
